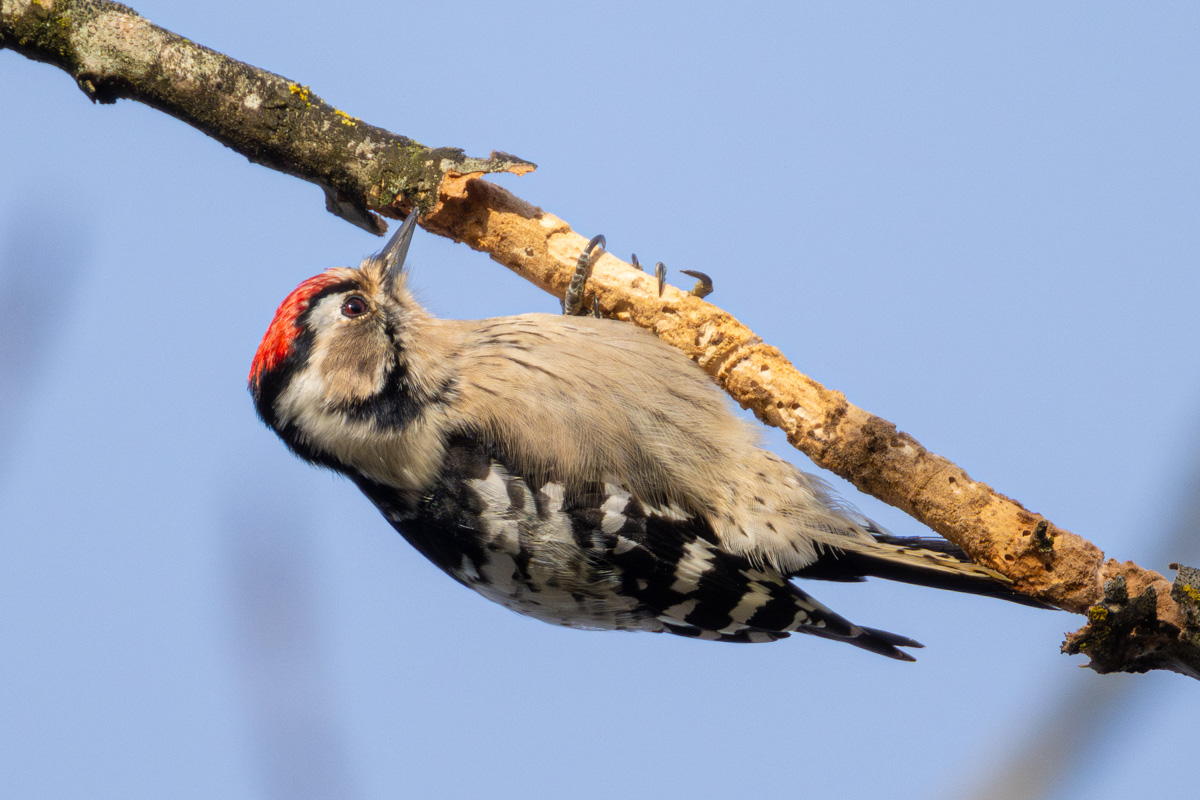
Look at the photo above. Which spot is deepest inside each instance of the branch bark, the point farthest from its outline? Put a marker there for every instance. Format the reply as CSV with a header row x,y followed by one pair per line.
x,y
112,53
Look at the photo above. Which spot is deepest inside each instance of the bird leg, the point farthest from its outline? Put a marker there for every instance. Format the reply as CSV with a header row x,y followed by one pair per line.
x,y
572,304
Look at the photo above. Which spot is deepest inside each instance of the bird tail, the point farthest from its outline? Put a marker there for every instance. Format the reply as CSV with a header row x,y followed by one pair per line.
x,y
792,610
920,560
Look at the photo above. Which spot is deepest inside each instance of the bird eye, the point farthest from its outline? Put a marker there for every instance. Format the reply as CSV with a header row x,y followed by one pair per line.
x,y
354,306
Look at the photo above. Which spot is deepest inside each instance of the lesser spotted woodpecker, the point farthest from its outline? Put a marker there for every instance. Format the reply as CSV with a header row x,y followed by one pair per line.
x,y
573,469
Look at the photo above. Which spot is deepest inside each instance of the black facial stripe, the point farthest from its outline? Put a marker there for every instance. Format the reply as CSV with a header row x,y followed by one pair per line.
x,y
397,404
392,407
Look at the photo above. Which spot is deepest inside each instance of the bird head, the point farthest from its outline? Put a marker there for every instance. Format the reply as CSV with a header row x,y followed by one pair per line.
x,y
336,343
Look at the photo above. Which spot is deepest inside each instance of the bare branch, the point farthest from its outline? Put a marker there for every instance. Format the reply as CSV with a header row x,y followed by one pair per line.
x,y
112,53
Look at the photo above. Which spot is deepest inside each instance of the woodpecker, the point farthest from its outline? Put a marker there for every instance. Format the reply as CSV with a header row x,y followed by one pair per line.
x,y
573,469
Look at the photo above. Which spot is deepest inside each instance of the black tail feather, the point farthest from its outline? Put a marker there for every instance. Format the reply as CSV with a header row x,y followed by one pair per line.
x,y
919,560
870,639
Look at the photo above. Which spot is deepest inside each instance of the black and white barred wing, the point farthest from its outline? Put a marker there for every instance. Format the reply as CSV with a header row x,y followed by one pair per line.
x,y
593,555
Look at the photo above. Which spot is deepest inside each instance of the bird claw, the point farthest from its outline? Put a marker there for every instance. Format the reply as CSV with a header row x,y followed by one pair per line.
x,y
660,272
704,284
572,303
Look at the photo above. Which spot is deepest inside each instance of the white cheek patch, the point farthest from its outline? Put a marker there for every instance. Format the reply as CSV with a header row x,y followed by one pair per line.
x,y
304,388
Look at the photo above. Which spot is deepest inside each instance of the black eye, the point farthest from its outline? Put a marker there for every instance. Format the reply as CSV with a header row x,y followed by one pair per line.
x,y
354,306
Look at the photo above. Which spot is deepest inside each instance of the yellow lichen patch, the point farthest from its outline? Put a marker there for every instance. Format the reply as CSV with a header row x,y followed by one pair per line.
x,y
303,92
1097,614
345,118
1190,591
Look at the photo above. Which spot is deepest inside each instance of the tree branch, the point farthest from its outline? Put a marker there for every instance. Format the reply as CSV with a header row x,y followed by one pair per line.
x,y
114,53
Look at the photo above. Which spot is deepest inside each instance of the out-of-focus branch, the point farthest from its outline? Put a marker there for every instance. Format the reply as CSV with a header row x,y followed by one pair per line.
x,y
112,52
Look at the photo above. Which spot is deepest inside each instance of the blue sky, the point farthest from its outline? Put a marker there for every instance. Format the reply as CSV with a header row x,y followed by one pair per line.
x,y
979,222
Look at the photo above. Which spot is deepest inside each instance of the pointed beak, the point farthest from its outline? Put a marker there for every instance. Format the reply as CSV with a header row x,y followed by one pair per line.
x,y
396,250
